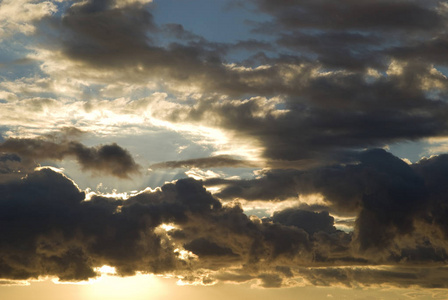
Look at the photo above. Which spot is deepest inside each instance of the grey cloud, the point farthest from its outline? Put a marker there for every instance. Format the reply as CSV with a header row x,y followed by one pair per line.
x,y
108,159
388,196
272,186
233,277
428,50
271,280
11,167
331,107
355,15
309,221
327,114
219,161
9,163
325,117
51,230
101,34
67,236
178,31
203,247
106,37
360,277
339,50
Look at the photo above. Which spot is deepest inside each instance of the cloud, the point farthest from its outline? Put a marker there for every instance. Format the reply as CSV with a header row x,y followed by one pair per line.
x,y
354,15
349,83
20,16
107,159
381,275
219,161
326,115
320,81
203,247
387,196
310,221
69,236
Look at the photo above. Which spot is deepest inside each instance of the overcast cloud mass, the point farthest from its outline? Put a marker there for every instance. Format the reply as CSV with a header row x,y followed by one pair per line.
x,y
302,143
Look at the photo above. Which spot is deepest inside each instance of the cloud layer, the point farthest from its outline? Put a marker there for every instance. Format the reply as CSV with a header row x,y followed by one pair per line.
x,y
51,229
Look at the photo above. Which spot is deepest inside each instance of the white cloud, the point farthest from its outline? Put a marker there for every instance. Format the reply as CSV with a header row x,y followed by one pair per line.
x,y
19,15
122,3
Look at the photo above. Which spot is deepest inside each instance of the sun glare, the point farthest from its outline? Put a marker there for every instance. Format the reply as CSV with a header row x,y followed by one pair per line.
x,y
134,288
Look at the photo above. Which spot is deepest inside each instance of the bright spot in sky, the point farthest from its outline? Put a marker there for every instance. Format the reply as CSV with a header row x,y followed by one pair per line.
x,y
137,287
106,270
167,227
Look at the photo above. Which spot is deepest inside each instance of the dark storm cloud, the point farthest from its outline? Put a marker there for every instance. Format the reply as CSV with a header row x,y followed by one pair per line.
x,y
220,161
107,159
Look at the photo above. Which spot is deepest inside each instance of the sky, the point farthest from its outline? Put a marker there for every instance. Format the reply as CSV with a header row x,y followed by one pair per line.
x,y
159,149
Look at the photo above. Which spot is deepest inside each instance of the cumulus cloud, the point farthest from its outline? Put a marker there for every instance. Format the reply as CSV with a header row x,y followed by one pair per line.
x,y
68,236
389,198
399,223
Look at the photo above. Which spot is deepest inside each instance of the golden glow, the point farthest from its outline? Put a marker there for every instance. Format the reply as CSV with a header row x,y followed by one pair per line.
x,y
6,282
436,145
114,287
313,199
269,207
199,174
185,255
167,227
